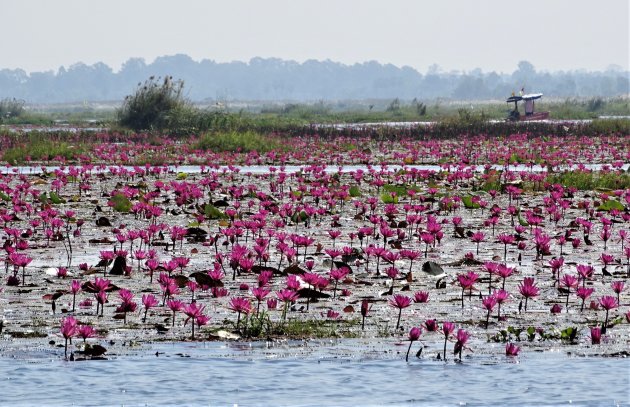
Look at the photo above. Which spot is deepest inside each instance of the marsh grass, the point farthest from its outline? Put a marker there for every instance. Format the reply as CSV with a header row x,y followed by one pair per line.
x,y
11,108
585,180
236,141
262,326
38,147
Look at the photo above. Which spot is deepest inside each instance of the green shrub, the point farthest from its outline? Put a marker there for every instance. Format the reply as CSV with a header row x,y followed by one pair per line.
x,y
157,105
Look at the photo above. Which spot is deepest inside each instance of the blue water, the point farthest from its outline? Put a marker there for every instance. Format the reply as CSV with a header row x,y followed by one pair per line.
x,y
346,373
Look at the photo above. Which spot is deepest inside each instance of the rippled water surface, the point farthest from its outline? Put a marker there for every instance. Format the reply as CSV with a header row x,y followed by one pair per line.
x,y
309,374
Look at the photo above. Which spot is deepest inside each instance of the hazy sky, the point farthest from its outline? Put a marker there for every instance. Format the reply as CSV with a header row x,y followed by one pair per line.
x,y
455,34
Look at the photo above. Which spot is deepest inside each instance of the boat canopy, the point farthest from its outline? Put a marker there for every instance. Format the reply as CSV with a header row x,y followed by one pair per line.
x,y
514,99
532,96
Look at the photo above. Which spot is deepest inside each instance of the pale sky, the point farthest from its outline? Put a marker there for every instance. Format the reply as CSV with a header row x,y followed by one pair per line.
x,y
455,34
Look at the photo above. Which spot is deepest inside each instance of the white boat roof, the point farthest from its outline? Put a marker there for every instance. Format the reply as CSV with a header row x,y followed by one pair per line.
x,y
532,96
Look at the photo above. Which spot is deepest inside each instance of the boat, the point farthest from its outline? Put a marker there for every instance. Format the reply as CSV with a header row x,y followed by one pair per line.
x,y
530,115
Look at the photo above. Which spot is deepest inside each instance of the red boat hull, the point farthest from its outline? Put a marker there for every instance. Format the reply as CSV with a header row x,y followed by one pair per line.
x,y
534,116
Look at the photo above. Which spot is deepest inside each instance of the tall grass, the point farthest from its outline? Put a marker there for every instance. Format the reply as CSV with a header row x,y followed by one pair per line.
x,y
11,108
239,141
39,147
587,180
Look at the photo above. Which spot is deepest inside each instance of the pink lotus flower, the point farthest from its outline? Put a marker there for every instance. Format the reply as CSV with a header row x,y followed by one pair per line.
x,y
596,335
365,309
241,305
287,296
149,301
447,329
431,325
68,330
618,287
511,349
127,304
174,306
584,293
414,335
489,303
400,302
528,289
569,282
193,311
467,281
260,293
462,338
331,314
504,272
86,331
338,274
75,287
421,297
556,309
608,302
477,238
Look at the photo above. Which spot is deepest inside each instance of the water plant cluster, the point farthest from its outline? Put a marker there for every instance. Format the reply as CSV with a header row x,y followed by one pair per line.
x,y
455,256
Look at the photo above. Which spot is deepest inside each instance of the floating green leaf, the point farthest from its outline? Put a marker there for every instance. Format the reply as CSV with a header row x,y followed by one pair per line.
x,y
387,198
354,191
467,200
611,204
121,203
212,212
299,217
56,199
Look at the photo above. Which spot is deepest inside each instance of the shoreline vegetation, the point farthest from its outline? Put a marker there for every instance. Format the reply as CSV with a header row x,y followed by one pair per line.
x,y
256,114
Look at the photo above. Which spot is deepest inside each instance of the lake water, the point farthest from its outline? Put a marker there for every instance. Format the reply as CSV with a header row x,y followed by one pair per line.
x,y
263,169
314,373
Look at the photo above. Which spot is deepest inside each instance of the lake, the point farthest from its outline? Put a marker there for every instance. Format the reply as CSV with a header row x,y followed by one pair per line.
x,y
310,373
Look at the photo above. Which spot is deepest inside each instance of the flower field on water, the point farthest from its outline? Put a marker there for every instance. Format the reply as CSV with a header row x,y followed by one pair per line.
x,y
116,245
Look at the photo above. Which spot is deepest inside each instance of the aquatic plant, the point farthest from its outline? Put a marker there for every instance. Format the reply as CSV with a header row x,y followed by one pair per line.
x,y
414,335
447,329
528,289
149,301
365,309
462,337
194,312
68,330
607,302
240,305
400,302
511,349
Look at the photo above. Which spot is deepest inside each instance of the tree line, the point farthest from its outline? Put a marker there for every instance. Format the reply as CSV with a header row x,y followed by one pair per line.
x,y
272,79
